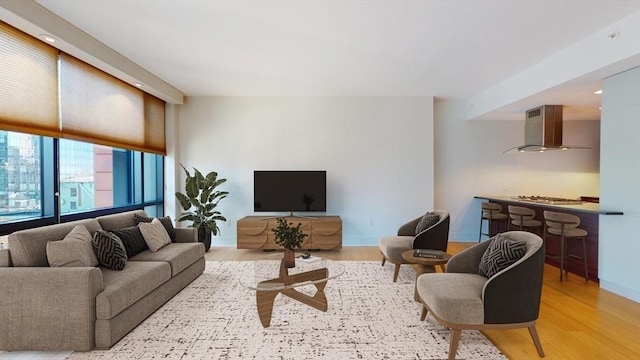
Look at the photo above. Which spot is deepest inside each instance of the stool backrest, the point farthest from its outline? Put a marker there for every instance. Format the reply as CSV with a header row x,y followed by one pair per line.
x,y
518,213
556,219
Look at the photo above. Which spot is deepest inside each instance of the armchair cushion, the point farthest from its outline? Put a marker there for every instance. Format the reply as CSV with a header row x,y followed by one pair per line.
x,y
393,246
458,299
500,254
428,220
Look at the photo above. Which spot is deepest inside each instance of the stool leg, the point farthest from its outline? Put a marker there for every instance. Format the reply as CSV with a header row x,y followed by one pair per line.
x,y
480,232
562,254
584,256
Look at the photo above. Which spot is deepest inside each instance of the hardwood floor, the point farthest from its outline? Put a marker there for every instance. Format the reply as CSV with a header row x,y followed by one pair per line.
x,y
577,320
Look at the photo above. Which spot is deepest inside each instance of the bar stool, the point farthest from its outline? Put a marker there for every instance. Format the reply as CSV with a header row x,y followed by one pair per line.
x,y
566,226
523,219
492,212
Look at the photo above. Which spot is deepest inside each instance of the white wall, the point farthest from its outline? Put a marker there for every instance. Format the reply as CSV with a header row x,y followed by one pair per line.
x,y
619,245
470,161
377,151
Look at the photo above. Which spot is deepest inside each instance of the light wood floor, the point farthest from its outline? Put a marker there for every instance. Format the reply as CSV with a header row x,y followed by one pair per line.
x,y
577,320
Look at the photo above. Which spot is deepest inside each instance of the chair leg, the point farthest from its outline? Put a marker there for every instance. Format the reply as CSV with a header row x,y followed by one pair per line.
x,y
424,313
536,340
396,271
384,260
453,343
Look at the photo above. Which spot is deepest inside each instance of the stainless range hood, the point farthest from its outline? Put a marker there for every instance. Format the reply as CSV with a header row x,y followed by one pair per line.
x,y
543,130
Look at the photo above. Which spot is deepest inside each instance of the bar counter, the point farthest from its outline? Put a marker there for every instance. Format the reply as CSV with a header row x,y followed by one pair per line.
x,y
588,213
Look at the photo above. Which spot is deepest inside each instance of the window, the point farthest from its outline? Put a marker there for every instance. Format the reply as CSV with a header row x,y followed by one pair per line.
x,y
90,178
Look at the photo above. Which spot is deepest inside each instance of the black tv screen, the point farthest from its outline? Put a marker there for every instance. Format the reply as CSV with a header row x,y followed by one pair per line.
x,y
292,191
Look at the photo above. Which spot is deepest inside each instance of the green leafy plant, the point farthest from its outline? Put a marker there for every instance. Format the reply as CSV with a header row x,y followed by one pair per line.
x,y
200,200
287,235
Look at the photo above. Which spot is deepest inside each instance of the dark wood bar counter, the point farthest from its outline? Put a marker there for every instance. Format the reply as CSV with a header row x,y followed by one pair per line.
x,y
589,218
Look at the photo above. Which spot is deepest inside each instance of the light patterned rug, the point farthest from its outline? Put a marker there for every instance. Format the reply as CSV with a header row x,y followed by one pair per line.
x,y
369,317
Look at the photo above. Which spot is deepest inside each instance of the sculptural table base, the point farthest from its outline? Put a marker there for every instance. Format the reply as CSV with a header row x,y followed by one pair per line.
x,y
265,298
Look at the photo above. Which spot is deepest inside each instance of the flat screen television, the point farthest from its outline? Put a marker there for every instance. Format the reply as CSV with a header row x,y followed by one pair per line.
x,y
291,191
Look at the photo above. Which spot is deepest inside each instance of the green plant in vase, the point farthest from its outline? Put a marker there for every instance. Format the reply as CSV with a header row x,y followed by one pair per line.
x,y
289,237
199,203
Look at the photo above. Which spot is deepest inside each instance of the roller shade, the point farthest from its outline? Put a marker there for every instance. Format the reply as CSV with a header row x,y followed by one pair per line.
x,y
28,84
99,108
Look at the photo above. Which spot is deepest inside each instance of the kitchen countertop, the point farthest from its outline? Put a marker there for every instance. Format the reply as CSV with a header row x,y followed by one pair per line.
x,y
587,207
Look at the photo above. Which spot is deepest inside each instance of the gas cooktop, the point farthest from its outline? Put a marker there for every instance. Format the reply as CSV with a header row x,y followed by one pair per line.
x,y
550,200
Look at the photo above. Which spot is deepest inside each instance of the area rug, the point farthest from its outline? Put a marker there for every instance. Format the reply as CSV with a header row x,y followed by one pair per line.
x,y
369,317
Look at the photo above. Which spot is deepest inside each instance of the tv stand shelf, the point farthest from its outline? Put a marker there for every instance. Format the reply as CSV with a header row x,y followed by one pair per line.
x,y
255,232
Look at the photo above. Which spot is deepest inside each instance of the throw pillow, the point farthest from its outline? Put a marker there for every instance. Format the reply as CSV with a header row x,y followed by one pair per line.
x,y
109,250
74,250
501,254
132,240
428,220
154,235
166,222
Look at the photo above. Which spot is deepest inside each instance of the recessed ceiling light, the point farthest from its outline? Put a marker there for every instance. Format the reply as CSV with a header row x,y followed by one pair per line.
x,y
597,92
599,107
48,38
137,84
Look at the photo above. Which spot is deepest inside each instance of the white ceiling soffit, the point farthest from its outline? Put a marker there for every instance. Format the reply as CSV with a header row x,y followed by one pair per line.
x,y
568,77
447,49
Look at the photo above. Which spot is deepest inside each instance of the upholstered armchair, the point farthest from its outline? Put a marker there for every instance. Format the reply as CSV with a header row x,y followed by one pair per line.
x,y
418,233
463,299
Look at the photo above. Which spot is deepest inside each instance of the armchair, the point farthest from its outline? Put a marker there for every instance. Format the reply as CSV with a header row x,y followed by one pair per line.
x,y
462,299
435,237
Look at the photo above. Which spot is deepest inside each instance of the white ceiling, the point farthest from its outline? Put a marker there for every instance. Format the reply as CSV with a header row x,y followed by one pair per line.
x,y
449,49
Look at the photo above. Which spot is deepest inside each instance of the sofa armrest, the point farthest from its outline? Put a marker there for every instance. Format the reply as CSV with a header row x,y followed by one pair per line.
x,y
186,235
48,308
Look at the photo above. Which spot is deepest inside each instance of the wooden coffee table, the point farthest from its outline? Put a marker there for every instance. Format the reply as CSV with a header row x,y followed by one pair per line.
x,y
424,265
271,277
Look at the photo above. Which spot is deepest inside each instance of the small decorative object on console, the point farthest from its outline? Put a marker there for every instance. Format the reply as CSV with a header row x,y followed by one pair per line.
x,y
426,253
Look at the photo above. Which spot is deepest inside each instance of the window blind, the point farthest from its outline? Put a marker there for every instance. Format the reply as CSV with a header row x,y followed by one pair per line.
x,y
99,108
28,84
72,99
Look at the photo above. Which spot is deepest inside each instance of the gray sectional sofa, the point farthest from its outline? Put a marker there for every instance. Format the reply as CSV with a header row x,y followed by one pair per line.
x,y
82,308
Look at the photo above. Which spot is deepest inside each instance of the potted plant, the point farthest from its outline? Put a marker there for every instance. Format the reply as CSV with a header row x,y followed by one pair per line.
x,y
199,203
289,237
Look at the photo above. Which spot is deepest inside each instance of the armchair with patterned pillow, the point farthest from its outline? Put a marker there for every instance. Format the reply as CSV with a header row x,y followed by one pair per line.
x,y
496,284
430,231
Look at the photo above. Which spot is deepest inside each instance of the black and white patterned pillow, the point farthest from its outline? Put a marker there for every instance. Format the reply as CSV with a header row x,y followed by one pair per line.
x,y
501,254
428,220
166,222
132,240
109,250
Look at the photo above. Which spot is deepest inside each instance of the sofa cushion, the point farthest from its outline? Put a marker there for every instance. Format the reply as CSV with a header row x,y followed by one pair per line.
x,y
455,304
166,222
29,247
154,235
501,254
124,288
132,240
179,256
74,250
109,250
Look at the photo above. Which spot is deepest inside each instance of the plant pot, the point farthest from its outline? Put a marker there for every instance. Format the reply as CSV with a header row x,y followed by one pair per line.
x,y
204,237
289,259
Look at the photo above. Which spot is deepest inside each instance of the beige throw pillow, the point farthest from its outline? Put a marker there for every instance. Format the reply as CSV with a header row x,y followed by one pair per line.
x,y
75,250
154,234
